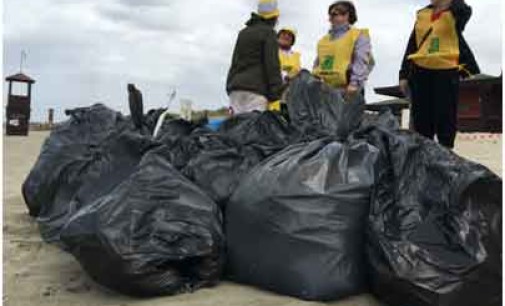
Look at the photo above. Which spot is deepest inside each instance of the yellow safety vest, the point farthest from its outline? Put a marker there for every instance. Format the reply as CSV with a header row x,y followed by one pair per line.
x,y
335,57
440,50
290,62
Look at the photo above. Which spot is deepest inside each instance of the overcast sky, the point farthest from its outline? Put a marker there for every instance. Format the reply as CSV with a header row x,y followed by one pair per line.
x,y
85,51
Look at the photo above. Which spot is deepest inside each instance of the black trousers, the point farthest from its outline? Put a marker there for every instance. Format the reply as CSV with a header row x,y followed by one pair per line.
x,y
435,98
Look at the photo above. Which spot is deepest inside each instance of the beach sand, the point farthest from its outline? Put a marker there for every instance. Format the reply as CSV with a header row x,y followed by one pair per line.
x,y
36,273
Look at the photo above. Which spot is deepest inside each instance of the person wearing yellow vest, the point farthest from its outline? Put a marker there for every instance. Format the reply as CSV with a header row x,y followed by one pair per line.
x,y
290,64
437,56
290,60
344,58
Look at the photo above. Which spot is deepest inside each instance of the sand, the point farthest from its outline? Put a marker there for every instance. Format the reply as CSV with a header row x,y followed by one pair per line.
x,y
36,273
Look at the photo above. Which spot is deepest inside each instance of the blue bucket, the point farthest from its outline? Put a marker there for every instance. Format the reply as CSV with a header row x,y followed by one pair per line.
x,y
215,123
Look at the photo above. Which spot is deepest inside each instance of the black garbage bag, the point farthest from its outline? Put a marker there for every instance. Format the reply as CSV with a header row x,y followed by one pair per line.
x,y
151,118
241,143
267,132
385,120
188,146
155,233
136,104
296,223
434,226
83,159
174,134
184,142
220,165
216,161
317,110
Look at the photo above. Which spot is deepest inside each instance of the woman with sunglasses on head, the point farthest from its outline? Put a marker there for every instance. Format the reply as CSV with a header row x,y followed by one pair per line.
x,y
344,58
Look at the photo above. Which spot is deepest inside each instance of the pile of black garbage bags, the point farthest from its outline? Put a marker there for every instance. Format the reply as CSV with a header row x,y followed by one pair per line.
x,y
329,204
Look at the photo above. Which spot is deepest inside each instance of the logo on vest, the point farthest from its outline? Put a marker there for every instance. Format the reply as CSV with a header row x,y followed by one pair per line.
x,y
328,62
435,45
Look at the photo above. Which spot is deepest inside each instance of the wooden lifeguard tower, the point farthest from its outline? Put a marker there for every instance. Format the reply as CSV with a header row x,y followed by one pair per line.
x,y
19,104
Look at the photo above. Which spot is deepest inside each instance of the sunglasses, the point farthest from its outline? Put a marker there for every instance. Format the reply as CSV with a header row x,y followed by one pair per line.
x,y
338,13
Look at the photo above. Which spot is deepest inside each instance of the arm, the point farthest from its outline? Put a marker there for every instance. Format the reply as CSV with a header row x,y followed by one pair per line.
x,y
316,63
461,12
272,67
411,48
231,71
298,67
467,59
361,61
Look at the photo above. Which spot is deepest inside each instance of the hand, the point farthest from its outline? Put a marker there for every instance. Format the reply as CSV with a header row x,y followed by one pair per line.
x,y
404,87
274,106
350,92
317,76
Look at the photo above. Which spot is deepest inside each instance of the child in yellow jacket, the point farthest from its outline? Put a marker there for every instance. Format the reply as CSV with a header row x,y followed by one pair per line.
x,y
290,60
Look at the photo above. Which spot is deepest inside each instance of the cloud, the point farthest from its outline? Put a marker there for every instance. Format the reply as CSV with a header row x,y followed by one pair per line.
x,y
81,52
143,3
